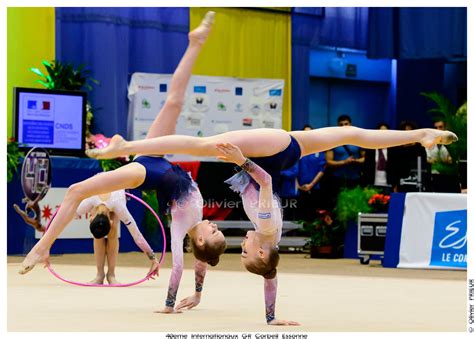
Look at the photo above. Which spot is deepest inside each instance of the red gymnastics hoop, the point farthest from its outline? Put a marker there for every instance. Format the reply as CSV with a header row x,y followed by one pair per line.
x,y
147,277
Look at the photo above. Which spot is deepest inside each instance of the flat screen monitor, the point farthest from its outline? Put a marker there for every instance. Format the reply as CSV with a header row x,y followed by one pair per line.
x,y
53,120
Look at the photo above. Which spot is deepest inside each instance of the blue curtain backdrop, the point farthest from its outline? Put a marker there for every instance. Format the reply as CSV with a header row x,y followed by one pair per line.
x,y
329,26
417,33
116,42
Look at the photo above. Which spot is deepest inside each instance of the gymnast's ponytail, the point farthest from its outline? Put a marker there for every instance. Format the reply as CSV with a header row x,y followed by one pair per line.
x,y
271,274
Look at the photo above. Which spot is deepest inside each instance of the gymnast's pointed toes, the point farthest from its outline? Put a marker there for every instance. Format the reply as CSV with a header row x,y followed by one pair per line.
x,y
25,269
90,153
449,138
209,19
93,153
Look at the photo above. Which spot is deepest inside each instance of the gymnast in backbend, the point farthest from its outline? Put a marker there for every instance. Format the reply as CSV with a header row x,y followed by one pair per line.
x,y
176,190
268,151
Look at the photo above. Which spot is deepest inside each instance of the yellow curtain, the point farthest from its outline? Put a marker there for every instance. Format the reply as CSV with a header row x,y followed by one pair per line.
x,y
30,39
248,43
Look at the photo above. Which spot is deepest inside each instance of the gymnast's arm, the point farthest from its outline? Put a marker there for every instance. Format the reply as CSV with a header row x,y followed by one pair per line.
x,y
200,269
270,287
177,236
120,209
85,206
232,153
265,220
125,216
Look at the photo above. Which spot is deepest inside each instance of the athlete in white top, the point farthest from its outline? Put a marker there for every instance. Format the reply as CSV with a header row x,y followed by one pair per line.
x,y
110,209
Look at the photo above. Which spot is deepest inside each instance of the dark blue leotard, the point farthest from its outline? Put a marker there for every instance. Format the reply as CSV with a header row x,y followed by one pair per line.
x,y
170,181
272,164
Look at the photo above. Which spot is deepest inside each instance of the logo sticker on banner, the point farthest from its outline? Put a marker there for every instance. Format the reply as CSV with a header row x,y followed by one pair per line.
x,y
199,89
449,246
275,93
146,104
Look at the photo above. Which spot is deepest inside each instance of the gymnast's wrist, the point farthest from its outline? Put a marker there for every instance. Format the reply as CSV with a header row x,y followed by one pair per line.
x,y
246,164
270,317
151,256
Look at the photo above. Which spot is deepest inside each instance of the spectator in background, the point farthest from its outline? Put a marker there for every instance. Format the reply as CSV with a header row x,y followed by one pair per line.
x,y
403,160
374,171
289,192
310,172
345,163
443,173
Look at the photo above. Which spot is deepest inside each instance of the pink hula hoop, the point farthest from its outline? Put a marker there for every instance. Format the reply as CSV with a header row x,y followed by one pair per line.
x,y
147,277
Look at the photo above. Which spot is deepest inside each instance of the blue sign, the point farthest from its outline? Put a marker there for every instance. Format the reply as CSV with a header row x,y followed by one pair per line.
x,y
38,132
275,92
449,246
199,89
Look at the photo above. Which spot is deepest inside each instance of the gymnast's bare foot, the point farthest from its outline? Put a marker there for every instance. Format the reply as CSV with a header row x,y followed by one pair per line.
x,y
98,280
112,280
32,259
113,150
199,35
433,137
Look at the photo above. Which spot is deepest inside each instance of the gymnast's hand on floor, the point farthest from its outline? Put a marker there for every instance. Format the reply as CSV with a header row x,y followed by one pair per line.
x,y
281,322
190,302
154,269
230,153
169,310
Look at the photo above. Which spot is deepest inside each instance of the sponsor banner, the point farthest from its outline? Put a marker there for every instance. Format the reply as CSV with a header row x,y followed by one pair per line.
x,y
434,231
76,229
213,105
449,239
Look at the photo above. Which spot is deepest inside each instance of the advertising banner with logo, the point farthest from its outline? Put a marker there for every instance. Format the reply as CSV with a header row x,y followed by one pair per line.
x,y
433,231
213,105
76,229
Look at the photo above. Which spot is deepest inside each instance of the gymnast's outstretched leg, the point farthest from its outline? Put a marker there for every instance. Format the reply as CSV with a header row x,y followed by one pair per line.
x,y
323,139
165,122
266,142
253,143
